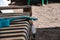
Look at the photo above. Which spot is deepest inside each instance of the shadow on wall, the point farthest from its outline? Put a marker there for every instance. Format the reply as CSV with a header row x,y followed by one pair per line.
x,y
33,2
48,33
54,1
19,2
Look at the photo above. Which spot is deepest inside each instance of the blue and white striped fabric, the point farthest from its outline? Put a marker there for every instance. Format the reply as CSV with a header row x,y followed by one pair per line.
x,y
4,3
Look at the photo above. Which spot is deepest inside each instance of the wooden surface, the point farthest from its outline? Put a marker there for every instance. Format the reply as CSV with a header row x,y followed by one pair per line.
x,y
9,15
14,7
25,8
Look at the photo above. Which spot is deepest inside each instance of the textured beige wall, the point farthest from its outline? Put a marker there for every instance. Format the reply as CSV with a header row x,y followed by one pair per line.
x,y
48,15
